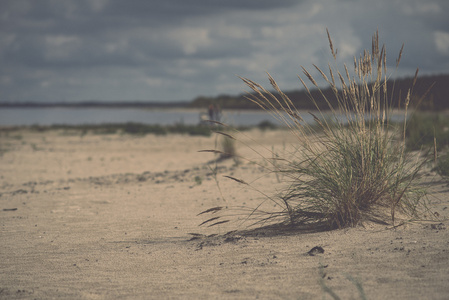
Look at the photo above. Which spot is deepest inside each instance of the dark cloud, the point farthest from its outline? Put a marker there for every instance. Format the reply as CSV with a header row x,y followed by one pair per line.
x,y
89,16
413,23
174,49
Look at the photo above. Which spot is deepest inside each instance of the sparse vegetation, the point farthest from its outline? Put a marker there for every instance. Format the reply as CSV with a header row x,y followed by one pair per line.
x,y
125,128
328,290
198,180
427,130
430,132
265,125
442,166
344,171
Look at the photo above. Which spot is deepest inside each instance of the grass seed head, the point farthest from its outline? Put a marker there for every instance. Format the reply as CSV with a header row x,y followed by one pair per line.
x,y
356,168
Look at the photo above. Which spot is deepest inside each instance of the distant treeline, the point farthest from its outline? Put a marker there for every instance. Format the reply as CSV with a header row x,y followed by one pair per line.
x,y
436,99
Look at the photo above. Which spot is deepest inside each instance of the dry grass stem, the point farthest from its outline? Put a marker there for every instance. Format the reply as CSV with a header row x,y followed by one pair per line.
x,y
348,168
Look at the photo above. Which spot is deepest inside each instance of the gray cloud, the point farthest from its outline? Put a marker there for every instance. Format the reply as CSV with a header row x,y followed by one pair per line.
x,y
176,50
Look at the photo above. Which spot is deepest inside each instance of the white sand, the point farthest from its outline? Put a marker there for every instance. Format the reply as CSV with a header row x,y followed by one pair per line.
x,y
109,217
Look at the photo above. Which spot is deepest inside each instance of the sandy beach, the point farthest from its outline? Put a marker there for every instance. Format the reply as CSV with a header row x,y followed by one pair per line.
x,y
115,217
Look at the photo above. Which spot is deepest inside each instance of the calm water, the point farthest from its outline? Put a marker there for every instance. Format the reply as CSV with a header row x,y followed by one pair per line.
x,y
77,116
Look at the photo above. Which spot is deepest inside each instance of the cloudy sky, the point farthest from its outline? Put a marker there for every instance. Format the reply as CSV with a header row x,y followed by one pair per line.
x,y
169,50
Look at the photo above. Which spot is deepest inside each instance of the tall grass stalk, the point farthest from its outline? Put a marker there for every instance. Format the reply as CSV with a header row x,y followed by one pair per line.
x,y
345,170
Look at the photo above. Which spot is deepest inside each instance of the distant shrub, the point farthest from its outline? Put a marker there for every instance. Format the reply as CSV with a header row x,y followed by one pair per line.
x,y
129,128
442,166
424,130
201,130
264,125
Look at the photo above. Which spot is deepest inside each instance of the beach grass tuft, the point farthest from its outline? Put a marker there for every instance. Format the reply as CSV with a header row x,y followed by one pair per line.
x,y
349,169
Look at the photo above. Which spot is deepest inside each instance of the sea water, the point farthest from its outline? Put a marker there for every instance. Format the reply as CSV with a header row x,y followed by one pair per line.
x,y
80,116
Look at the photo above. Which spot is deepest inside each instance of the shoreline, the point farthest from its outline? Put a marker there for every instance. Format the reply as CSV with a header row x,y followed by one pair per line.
x,y
87,116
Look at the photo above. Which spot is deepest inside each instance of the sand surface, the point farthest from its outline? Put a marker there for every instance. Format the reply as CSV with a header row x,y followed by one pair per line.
x,y
111,216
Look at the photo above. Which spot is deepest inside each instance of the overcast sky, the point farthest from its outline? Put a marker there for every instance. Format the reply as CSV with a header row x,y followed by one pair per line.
x,y
168,50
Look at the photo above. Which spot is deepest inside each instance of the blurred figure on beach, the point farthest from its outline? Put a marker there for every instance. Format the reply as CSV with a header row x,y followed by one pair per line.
x,y
214,112
211,112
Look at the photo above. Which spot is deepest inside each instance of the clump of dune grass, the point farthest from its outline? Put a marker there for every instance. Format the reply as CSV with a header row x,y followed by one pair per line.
x,y
350,167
